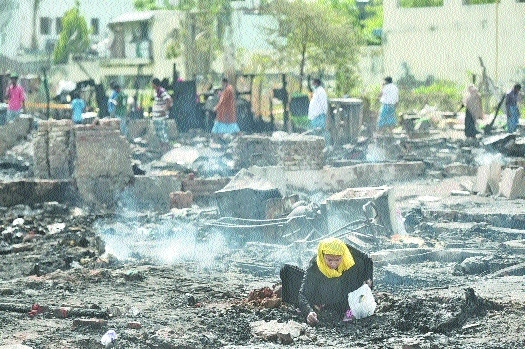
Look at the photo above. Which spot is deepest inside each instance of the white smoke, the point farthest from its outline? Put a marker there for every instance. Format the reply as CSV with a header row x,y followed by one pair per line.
x,y
484,158
165,242
375,153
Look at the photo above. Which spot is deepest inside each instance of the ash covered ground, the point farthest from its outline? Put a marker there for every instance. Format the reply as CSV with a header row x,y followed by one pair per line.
x,y
69,274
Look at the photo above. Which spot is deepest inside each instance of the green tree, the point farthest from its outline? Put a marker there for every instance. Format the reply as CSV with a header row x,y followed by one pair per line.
x,y
74,37
420,3
373,21
317,37
146,5
368,16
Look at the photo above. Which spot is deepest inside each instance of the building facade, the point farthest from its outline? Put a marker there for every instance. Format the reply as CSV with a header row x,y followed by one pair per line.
x,y
139,46
447,41
19,22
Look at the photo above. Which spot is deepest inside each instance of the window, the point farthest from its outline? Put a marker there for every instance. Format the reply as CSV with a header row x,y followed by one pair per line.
x,y
58,25
95,26
45,25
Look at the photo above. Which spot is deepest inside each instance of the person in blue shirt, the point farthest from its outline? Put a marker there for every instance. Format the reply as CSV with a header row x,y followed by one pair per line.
x,y
112,103
513,112
77,106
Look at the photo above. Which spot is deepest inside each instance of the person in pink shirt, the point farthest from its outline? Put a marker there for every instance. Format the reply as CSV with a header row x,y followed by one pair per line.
x,y
16,96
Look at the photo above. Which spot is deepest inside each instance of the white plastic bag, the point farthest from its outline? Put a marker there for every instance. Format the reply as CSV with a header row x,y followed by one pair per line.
x,y
108,338
362,302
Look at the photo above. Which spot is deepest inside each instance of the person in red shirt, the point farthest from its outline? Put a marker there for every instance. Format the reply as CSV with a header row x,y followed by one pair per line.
x,y
16,96
226,119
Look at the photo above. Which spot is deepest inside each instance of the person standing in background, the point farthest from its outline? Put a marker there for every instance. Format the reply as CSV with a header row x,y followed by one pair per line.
x,y
389,97
473,111
15,95
318,111
226,113
112,103
160,112
513,112
318,107
77,106
117,107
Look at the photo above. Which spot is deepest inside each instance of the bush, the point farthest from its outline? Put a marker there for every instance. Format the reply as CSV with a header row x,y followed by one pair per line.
x,y
420,3
444,95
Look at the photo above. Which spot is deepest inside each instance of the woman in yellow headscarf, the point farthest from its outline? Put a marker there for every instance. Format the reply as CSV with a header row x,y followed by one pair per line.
x,y
332,274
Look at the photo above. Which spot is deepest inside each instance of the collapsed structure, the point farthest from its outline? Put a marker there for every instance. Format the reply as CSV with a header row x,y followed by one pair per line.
x,y
249,204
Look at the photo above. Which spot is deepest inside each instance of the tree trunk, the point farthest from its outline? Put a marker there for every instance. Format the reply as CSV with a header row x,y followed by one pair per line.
x,y
34,43
190,60
303,61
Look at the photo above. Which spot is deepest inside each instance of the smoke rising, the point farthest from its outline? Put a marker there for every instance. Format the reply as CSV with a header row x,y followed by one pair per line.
x,y
164,242
375,153
484,158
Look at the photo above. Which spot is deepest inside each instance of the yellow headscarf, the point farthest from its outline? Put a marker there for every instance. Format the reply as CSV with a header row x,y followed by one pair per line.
x,y
338,248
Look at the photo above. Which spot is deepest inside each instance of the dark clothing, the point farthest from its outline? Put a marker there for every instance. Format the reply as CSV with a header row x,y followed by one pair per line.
x,y
513,112
470,125
315,289
512,98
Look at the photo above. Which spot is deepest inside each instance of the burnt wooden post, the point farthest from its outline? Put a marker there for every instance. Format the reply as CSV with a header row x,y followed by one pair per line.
x,y
285,103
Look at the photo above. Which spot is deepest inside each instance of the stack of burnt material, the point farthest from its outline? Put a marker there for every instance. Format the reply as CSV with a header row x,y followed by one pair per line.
x,y
53,149
293,152
96,157
102,162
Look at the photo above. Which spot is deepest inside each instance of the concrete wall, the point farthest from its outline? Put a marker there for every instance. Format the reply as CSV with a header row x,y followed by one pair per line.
x,y
333,179
294,152
12,133
371,65
347,206
446,41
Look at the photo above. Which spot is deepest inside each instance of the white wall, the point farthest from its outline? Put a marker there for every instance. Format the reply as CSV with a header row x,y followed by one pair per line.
x,y
371,65
446,41
20,26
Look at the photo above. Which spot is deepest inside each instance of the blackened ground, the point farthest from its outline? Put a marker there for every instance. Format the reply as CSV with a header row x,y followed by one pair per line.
x,y
55,258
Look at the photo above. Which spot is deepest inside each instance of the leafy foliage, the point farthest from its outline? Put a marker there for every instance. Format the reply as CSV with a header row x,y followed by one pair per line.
x,y
445,95
146,5
372,22
74,37
442,94
420,3
314,37
202,31
368,16
480,2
